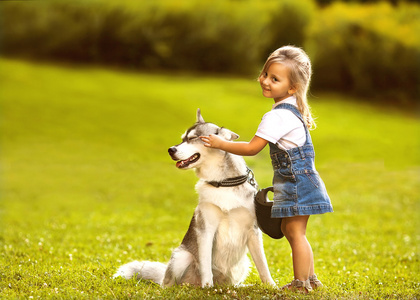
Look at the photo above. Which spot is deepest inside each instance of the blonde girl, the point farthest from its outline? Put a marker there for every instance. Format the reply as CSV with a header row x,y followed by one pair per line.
x,y
298,190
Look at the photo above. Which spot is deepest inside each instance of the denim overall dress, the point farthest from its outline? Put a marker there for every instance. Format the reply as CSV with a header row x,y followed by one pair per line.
x,y
298,189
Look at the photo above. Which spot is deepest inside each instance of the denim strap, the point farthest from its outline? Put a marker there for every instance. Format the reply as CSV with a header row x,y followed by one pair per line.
x,y
297,113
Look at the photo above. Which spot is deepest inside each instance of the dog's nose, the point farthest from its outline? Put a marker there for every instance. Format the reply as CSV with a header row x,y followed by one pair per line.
x,y
172,150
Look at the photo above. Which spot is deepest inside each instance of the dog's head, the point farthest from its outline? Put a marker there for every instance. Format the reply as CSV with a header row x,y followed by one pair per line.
x,y
191,152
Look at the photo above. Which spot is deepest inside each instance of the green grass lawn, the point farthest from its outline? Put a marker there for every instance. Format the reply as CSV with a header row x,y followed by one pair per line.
x,y
87,184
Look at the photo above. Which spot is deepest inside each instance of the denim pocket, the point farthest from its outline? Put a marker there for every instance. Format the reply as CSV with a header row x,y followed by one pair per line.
x,y
313,177
286,173
285,168
284,186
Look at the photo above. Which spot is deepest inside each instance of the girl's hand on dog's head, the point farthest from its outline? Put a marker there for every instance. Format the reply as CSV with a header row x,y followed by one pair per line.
x,y
212,141
206,140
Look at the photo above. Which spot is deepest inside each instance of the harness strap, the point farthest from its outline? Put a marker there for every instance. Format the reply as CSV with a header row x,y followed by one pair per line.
x,y
235,181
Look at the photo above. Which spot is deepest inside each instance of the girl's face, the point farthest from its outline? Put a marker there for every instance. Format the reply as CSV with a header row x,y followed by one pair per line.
x,y
275,82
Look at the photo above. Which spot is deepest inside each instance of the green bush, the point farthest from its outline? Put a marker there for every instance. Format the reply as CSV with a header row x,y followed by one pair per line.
x,y
204,35
287,24
369,50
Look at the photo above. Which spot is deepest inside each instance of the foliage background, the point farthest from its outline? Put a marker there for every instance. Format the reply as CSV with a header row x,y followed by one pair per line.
x,y
370,50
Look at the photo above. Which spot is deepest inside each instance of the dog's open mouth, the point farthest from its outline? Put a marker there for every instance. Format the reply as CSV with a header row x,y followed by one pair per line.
x,y
185,163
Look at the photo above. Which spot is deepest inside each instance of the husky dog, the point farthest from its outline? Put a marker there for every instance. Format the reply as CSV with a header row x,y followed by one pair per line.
x,y
223,227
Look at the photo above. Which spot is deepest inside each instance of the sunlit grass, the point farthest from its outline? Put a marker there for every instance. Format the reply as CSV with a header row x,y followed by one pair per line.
x,y
87,184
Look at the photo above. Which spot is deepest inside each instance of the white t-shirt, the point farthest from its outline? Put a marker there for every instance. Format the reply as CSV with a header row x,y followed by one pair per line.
x,y
282,127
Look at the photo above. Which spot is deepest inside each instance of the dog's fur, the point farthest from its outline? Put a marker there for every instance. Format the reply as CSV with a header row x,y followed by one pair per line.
x,y
223,226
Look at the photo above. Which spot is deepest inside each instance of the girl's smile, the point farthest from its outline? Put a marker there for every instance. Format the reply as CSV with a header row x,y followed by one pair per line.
x,y
275,82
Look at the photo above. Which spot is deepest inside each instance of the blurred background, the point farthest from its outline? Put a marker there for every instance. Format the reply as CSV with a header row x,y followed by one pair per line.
x,y
94,92
365,48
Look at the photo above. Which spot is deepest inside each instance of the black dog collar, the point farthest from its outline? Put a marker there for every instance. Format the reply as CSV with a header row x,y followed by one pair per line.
x,y
235,181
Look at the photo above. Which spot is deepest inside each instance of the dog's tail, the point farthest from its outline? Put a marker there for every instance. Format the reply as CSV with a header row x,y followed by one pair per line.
x,y
149,270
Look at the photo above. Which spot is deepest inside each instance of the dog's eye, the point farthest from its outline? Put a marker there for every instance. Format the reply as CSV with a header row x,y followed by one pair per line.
x,y
192,137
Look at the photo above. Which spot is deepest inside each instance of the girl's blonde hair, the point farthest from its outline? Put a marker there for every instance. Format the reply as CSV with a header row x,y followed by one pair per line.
x,y
300,71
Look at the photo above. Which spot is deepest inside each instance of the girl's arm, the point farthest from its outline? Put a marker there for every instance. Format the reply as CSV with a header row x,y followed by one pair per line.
x,y
238,148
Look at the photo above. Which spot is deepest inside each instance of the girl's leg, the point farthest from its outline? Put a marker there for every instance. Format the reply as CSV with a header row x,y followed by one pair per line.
x,y
312,268
294,229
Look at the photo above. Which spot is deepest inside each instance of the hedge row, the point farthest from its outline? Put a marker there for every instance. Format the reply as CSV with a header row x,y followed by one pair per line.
x,y
205,35
373,50
366,49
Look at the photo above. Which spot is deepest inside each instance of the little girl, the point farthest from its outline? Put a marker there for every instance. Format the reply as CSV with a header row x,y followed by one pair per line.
x,y
298,190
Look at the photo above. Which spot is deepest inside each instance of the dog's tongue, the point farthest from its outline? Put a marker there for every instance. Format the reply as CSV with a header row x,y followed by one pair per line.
x,y
185,163
182,163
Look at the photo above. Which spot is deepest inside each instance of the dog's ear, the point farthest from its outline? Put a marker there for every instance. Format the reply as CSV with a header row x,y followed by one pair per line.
x,y
228,134
200,118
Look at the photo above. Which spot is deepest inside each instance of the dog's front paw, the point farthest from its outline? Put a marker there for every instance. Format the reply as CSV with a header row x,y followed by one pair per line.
x,y
207,283
269,281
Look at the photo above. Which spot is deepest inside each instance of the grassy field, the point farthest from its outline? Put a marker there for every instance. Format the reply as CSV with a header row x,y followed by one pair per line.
x,y
87,184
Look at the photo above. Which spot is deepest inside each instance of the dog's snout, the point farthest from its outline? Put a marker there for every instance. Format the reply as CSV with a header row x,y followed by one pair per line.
x,y
172,150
